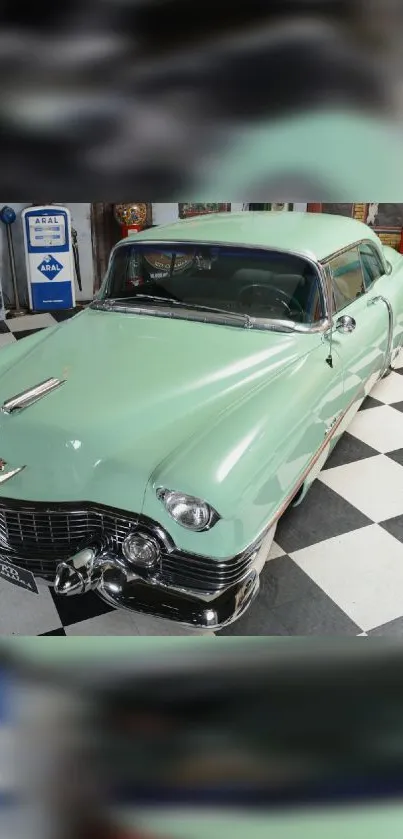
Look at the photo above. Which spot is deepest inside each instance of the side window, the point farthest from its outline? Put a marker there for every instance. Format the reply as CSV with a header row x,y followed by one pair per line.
x,y
347,277
371,264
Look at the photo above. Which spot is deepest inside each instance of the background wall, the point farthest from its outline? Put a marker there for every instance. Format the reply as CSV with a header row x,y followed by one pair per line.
x,y
81,218
166,213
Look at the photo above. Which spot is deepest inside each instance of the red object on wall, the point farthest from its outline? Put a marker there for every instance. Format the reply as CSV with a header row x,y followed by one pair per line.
x,y
133,228
314,208
401,242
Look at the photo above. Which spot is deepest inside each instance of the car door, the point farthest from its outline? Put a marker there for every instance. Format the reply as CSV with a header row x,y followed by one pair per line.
x,y
361,331
385,287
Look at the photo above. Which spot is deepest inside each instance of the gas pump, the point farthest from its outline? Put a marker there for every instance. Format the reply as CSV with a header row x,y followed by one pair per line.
x,y
49,254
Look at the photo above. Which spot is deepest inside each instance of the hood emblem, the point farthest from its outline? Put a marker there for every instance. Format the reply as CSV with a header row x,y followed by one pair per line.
x,y
29,397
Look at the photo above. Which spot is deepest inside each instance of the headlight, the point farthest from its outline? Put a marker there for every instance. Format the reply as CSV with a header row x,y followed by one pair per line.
x,y
190,512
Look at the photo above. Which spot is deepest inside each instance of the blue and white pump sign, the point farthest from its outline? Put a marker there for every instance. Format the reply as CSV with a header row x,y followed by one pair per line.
x,y
49,258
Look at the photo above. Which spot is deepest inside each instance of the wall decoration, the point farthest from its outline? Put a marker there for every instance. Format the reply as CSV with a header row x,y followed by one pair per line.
x,y
281,208
339,209
385,219
386,215
132,215
191,210
273,207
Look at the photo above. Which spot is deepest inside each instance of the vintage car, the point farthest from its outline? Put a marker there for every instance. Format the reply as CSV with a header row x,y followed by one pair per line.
x,y
151,443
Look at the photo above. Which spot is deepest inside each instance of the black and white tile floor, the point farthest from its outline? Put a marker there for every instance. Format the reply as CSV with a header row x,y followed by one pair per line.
x,y
336,567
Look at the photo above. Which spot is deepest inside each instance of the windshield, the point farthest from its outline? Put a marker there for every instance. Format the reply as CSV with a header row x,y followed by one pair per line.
x,y
244,281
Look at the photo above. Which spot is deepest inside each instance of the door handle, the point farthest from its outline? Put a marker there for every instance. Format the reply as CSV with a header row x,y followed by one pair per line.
x,y
374,300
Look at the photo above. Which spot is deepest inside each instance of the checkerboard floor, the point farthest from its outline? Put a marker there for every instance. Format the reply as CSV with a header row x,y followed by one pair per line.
x,y
336,567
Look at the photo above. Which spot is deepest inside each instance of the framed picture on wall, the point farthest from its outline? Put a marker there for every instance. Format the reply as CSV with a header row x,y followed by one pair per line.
x,y
280,208
191,210
385,219
273,207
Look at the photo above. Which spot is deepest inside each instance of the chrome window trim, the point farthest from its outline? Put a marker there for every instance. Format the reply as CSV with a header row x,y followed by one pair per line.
x,y
320,326
354,244
358,243
336,309
326,263
375,250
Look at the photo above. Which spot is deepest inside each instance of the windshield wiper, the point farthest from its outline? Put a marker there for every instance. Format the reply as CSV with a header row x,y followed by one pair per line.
x,y
147,297
250,322
182,303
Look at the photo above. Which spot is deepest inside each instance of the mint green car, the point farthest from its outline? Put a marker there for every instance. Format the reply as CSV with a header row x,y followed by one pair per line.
x,y
150,445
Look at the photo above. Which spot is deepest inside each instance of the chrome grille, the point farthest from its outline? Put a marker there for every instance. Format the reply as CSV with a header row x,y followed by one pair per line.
x,y
38,537
202,573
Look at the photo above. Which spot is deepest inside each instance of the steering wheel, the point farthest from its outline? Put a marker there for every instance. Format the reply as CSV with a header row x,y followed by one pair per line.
x,y
259,293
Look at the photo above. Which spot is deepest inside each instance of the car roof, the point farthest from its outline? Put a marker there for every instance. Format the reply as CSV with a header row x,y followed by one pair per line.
x,y
315,235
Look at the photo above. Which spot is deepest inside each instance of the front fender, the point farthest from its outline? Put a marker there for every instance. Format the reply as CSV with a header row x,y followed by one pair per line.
x,y
247,462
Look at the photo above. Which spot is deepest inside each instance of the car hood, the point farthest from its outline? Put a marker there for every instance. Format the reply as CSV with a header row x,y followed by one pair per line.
x,y
136,388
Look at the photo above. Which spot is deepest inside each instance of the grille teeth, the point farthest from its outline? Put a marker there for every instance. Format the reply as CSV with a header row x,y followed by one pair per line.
x,y
38,539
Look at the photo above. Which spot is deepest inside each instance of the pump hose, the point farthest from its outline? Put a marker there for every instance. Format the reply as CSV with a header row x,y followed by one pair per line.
x,y
76,258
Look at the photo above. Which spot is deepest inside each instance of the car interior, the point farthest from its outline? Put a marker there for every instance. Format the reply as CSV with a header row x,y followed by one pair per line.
x,y
262,285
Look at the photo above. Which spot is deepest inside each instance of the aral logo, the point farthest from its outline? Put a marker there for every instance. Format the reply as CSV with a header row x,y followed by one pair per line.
x,y
50,267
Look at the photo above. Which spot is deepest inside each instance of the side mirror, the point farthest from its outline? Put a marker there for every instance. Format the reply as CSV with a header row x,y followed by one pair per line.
x,y
345,324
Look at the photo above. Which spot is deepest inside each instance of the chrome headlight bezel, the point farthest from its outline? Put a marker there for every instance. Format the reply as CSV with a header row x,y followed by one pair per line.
x,y
168,497
144,541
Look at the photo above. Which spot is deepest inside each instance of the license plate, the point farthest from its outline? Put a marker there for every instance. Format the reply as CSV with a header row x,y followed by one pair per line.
x,y
18,576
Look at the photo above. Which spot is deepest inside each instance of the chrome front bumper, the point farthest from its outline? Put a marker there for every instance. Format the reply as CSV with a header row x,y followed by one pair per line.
x,y
121,586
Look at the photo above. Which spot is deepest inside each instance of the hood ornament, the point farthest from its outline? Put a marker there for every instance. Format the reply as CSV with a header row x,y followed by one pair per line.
x,y
29,397
7,472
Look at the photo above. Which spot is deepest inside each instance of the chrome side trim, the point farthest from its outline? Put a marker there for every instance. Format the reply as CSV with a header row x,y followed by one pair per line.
x,y
29,397
389,350
310,466
5,476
